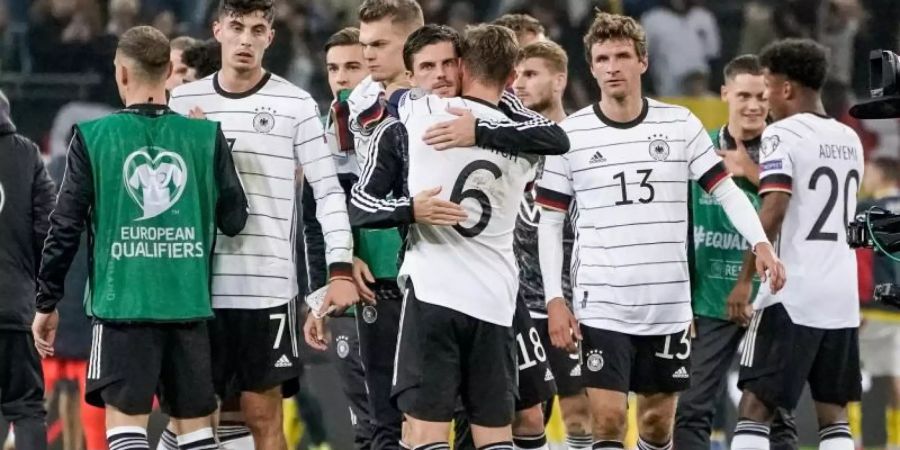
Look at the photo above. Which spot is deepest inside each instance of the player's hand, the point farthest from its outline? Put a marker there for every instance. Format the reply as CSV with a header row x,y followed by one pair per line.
x,y
314,332
738,305
454,133
341,294
769,267
44,331
196,113
562,325
737,161
429,209
362,276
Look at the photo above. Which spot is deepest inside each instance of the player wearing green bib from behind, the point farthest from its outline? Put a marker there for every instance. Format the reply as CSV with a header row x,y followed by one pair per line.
x,y
721,303
151,186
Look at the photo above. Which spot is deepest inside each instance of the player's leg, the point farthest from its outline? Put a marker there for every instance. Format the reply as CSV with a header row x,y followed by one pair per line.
x,y
713,349
124,380
488,385
834,381
22,390
69,414
772,373
267,369
535,382
227,331
606,373
426,376
660,371
346,358
573,400
377,329
185,389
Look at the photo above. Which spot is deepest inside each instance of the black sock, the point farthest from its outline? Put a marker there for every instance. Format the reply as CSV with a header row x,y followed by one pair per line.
x,y
434,446
608,445
506,445
530,442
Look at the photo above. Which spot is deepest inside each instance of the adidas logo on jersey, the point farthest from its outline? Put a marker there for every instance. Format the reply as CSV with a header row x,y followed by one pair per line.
x,y
597,158
548,376
681,373
576,371
283,362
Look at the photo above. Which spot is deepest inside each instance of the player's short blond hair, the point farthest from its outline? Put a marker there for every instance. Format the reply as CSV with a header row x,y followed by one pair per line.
x,y
149,49
489,52
520,24
614,27
554,55
406,13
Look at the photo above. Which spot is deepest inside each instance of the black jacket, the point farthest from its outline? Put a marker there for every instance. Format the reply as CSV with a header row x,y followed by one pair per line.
x,y
76,200
26,199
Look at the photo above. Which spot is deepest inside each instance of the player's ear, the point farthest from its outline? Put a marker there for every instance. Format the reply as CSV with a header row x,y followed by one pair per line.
x,y
787,89
560,82
645,63
271,36
723,92
170,70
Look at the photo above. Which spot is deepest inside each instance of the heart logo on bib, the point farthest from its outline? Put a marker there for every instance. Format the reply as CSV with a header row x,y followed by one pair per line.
x,y
154,183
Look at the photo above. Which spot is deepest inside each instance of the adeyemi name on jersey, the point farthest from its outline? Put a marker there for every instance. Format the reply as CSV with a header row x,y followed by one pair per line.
x,y
157,242
719,240
831,151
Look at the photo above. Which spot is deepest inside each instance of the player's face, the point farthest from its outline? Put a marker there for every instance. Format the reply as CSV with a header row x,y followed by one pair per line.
x,y
436,69
617,68
382,43
345,66
748,105
244,40
536,85
777,91
179,71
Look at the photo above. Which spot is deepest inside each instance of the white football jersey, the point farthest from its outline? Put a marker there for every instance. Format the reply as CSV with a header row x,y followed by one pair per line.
x,y
627,185
819,161
272,129
469,267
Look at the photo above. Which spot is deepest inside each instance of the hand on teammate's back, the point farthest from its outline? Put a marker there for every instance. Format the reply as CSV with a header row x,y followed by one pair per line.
x,y
362,276
429,209
737,161
562,326
454,133
196,113
44,331
769,267
738,304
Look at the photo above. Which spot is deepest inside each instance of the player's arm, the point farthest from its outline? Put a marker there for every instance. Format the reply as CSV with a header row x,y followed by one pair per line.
x,y
554,195
232,208
67,221
315,157
383,174
529,132
43,198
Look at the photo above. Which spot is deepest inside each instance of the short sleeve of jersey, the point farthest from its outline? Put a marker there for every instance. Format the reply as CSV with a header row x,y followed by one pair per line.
x,y
775,166
705,165
554,189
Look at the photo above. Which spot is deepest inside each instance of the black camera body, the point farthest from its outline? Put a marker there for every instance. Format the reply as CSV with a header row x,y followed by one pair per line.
x,y
884,87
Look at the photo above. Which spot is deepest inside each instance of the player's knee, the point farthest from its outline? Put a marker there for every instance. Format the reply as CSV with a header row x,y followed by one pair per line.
x,y
263,420
529,421
576,416
656,425
610,423
753,408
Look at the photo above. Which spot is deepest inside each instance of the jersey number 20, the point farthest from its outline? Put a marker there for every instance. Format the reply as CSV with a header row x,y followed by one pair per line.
x,y
816,234
459,194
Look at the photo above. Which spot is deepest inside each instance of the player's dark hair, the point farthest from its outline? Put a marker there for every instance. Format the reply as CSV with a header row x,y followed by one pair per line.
x,y
614,27
743,64
149,49
489,53
402,12
237,8
428,35
520,24
205,58
549,51
345,36
801,60
889,167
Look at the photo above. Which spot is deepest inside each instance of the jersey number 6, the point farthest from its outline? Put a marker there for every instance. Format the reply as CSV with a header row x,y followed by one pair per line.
x,y
459,194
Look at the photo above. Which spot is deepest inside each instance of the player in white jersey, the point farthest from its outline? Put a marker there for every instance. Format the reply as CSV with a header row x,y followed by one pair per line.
x,y
273,127
811,166
626,182
461,280
541,77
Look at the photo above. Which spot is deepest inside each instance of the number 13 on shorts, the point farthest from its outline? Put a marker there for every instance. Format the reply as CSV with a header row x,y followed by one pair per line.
x,y
682,347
